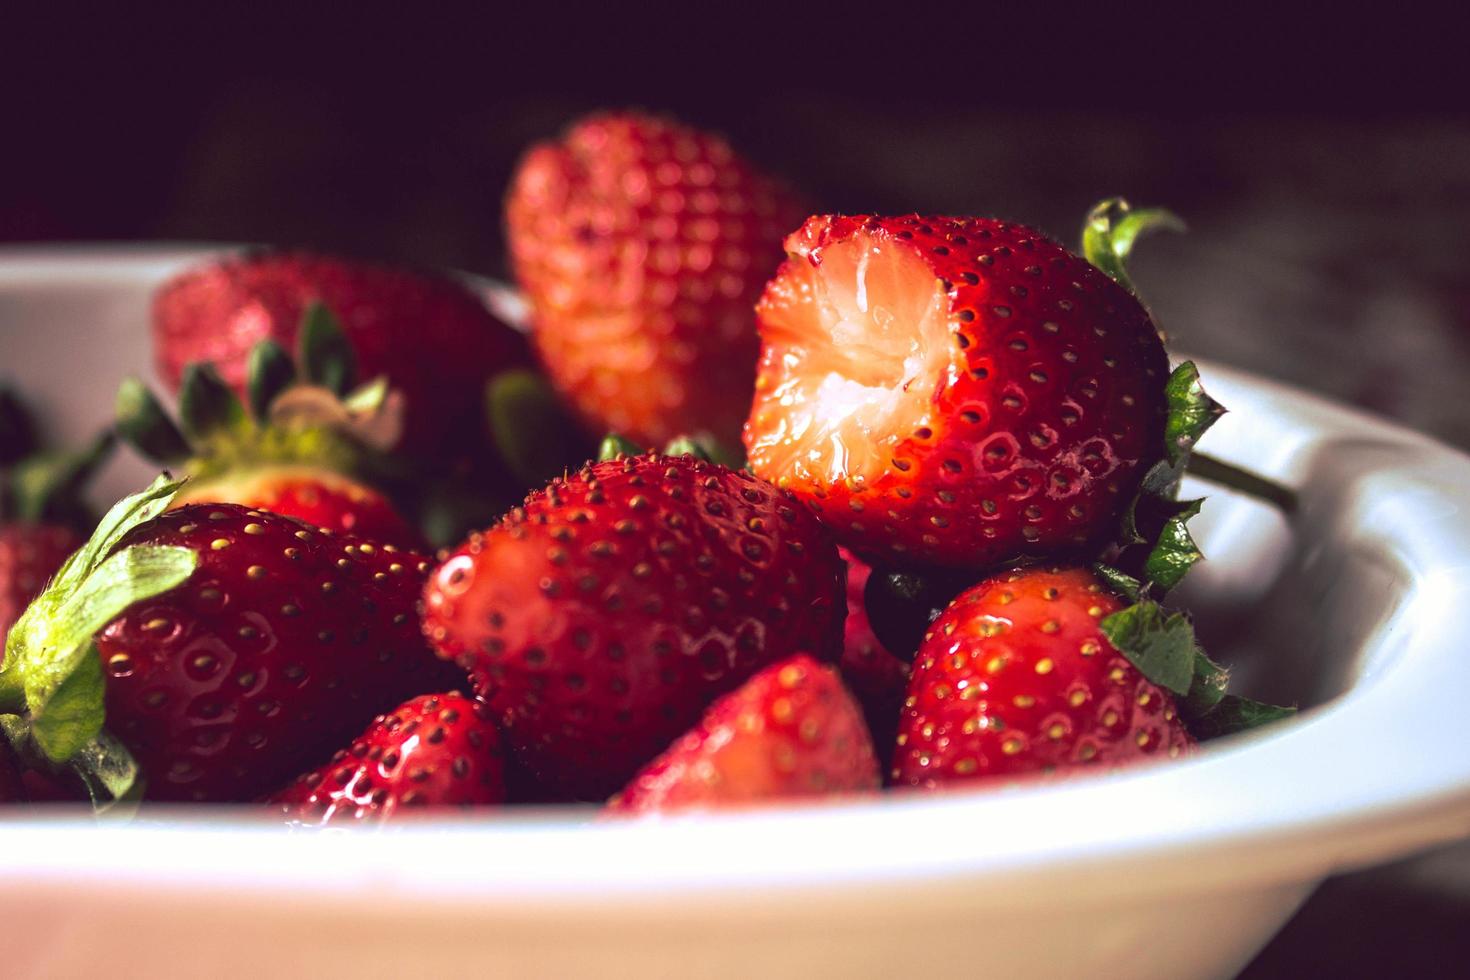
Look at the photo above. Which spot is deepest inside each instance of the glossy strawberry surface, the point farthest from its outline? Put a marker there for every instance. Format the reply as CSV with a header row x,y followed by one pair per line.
x,y
437,750
1017,677
602,617
314,495
791,731
953,391
876,677
29,555
280,646
641,245
434,340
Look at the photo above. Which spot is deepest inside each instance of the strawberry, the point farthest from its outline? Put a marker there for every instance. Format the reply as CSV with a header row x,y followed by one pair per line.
x,y
41,506
430,336
790,731
29,555
1019,676
599,619
875,676
953,391
232,649
641,245
301,448
437,750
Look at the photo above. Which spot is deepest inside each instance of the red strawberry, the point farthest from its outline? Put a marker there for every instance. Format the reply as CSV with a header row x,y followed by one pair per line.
x,y
878,678
603,616
299,452
790,731
641,245
953,391
1017,676
314,495
430,336
437,750
245,648
29,555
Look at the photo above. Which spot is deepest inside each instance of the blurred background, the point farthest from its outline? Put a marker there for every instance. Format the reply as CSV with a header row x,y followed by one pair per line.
x,y
1321,161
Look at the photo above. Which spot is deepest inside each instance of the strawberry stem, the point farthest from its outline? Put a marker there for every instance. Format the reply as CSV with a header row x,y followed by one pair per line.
x,y
1228,475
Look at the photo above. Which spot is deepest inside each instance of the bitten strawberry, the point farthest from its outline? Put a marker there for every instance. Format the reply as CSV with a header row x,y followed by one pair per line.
x,y
876,677
599,619
431,337
437,750
300,450
232,648
641,245
953,391
791,731
1017,676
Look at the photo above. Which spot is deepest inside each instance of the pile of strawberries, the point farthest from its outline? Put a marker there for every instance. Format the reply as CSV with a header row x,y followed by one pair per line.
x,y
942,563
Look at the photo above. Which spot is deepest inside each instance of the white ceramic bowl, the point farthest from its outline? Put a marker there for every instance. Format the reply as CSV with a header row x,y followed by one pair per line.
x,y
1174,871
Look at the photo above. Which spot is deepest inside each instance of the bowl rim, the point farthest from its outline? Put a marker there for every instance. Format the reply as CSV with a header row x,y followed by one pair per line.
x,y
1254,808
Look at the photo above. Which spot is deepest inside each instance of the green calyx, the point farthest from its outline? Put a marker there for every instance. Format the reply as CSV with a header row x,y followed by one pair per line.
x,y
51,683
38,486
1112,229
532,433
301,412
700,446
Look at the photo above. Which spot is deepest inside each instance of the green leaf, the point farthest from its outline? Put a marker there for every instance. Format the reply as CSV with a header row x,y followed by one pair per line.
x,y
1207,687
110,774
1174,553
325,356
269,372
1119,581
1191,412
687,446
1111,230
532,433
49,487
208,409
614,445
1234,714
17,428
141,420
1161,647
57,658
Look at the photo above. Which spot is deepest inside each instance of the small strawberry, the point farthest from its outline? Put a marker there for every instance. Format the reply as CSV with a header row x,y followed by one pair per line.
x,y
300,451
232,649
790,731
437,750
41,510
599,619
953,391
1019,676
641,245
432,338
29,555
876,677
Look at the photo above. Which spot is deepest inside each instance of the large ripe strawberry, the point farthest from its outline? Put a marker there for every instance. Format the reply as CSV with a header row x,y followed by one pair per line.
x,y
301,450
233,649
1018,676
431,337
953,391
791,731
877,678
437,750
600,618
641,245
29,555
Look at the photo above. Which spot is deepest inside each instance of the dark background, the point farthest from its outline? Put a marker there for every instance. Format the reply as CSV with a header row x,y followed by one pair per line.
x,y
1321,160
